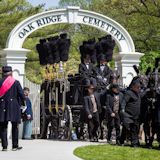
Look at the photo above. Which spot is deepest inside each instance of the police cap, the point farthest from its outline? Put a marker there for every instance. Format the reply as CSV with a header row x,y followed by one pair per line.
x,y
6,69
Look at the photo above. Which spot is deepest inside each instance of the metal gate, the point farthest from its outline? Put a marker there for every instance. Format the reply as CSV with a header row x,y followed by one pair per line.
x,y
35,100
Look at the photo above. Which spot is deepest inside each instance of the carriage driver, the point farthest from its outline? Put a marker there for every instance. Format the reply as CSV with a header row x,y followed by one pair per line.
x,y
86,68
103,72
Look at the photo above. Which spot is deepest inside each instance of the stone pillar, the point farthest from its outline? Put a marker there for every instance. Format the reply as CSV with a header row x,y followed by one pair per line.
x,y
16,59
72,14
124,64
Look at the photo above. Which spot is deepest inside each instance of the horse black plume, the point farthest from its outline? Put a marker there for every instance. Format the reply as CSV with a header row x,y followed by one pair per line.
x,y
148,71
136,69
157,60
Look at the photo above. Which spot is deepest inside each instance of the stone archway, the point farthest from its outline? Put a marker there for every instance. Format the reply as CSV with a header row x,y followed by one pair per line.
x,y
15,56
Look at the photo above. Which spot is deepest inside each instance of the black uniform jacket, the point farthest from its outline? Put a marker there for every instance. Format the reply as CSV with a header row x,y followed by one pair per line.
x,y
84,71
11,102
106,73
131,104
110,102
88,104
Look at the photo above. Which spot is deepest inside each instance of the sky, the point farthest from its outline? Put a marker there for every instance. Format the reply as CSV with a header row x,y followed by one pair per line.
x,y
49,3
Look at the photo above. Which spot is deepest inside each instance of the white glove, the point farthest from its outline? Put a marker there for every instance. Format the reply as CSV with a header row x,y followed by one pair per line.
x,y
89,116
23,108
105,79
99,77
28,116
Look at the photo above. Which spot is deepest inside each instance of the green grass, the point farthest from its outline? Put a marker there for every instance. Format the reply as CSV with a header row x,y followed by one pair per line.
x,y
112,152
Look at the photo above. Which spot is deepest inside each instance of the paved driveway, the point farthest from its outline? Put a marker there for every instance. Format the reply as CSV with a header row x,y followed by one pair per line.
x,y
43,150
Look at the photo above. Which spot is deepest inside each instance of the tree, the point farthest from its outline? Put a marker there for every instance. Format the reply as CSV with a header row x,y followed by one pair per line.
x,y
140,17
82,3
11,13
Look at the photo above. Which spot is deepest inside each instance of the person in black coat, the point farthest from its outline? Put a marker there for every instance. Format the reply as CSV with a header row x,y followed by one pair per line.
x,y
10,107
92,107
103,75
131,108
103,72
86,68
113,105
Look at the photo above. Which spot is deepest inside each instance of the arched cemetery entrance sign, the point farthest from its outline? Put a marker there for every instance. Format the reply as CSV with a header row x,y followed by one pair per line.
x,y
15,55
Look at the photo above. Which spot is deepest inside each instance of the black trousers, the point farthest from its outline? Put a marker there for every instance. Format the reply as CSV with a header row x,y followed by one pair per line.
x,y
93,125
158,132
114,122
3,134
101,118
132,130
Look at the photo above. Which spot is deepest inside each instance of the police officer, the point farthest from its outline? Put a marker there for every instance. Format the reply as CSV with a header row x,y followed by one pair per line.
x,y
11,96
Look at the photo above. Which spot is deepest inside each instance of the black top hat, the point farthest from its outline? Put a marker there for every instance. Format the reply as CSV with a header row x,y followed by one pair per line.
x,y
63,35
6,69
86,82
93,83
135,81
114,85
102,57
89,82
41,41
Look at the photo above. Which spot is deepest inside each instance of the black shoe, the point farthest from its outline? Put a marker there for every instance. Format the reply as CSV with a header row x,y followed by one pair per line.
x,y
121,143
109,141
101,137
134,145
91,140
17,148
118,143
4,149
95,139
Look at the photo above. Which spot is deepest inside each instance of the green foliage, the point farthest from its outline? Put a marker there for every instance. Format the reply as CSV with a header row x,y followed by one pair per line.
x,y
111,152
11,13
140,18
81,3
148,60
32,72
